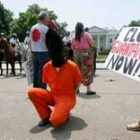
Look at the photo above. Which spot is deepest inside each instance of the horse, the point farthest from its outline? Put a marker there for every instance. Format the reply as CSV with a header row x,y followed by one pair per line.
x,y
1,58
10,56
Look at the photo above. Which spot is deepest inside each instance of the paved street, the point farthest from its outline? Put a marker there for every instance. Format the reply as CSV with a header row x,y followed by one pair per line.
x,y
100,117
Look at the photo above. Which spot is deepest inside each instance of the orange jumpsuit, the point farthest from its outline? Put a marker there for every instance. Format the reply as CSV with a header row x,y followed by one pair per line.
x,y
62,93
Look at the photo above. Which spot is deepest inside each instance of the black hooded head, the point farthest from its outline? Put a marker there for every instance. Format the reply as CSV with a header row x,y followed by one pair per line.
x,y
56,49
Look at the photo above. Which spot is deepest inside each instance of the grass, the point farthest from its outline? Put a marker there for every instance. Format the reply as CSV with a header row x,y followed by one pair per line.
x,y
101,57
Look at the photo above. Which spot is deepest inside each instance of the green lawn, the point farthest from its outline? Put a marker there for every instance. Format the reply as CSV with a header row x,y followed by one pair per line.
x,y
101,57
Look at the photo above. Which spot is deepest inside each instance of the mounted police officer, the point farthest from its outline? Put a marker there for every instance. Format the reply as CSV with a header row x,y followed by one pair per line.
x,y
14,40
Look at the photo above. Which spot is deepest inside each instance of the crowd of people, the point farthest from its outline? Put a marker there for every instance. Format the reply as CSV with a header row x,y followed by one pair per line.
x,y
54,70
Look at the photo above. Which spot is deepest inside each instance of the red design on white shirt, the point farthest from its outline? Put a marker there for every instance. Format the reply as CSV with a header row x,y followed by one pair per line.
x,y
36,35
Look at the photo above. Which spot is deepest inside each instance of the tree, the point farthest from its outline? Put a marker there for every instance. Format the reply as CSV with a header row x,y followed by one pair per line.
x,y
6,17
134,23
62,28
27,19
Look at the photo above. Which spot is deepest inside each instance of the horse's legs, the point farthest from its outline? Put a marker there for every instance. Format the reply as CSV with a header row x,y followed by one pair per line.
x,y
1,67
13,68
20,67
7,69
19,61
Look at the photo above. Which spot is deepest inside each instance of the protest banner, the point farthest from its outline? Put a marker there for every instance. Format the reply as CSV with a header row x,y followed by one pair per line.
x,y
29,70
124,56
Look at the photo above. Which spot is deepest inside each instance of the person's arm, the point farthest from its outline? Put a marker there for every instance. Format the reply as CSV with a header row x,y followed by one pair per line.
x,y
29,45
10,41
45,74
25,41
90,40
17,42
72,44
77,86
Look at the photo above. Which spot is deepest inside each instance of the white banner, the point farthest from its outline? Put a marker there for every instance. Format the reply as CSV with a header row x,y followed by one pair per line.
x,y
124,56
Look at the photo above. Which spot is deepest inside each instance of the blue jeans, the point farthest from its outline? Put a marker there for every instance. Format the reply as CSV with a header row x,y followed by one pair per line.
x,y
39,60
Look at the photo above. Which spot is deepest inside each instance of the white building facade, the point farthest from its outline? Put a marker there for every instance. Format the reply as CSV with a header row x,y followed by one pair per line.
x,y
104,38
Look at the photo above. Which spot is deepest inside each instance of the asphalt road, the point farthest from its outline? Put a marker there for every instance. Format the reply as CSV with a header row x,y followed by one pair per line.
x,y
99,117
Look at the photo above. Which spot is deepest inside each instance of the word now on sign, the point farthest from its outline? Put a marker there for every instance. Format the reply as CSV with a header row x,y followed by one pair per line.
x,y
124,56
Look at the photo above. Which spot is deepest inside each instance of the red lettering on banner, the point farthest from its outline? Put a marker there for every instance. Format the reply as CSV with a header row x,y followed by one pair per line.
x,y
115,46
126,49
132,49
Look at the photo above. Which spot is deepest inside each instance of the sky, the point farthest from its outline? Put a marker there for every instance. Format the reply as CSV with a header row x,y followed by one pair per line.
x,y
102,13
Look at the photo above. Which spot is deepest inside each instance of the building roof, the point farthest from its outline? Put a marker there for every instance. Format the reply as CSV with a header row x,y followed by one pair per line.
x,y
95,30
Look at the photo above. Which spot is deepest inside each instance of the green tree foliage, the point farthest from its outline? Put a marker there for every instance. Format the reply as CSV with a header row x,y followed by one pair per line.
x,y
62,28
27,19
135,23
5,19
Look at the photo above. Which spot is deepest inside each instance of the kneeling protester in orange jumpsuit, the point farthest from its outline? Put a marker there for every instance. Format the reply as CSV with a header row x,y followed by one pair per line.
x,y
64,78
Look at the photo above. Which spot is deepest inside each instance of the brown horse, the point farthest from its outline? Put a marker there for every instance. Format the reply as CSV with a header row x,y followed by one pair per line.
x,y
9,56
1,58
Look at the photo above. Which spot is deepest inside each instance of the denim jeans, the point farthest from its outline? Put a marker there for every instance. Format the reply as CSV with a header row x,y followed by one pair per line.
x,y
39,60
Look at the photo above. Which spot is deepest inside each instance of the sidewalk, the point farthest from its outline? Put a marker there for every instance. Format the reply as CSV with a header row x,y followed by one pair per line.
x,y
99,65
100,117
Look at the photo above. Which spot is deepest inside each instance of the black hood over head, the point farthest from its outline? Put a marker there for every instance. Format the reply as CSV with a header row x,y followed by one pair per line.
x,y
56,49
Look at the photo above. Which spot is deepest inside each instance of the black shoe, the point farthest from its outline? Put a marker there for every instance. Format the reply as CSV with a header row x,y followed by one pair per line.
x,y
91,92
78,91
43,122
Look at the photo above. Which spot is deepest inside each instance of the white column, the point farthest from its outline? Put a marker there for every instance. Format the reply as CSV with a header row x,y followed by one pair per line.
x,y
106,44
98,44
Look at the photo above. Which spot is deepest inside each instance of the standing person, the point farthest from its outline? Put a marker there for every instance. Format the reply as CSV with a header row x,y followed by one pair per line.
x,y
39,48
27,38
14,40
64,78
67,43
82,45
94,53
67,39
86,29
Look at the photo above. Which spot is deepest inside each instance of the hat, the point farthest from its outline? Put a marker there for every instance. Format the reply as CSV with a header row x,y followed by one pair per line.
x,y
1,34
27,33
14,34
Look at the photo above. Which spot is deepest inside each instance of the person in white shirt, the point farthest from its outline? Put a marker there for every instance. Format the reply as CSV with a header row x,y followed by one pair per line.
x,y
67,42
14,40
67,38
27,38
39,48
